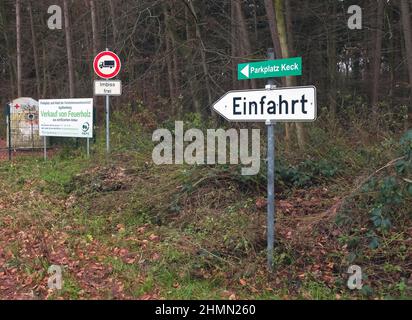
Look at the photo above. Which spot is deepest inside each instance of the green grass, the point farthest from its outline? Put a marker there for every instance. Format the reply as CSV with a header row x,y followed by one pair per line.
x,y
211,234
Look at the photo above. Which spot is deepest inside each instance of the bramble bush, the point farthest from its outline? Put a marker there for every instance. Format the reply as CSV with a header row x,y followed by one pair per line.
x,y
392,194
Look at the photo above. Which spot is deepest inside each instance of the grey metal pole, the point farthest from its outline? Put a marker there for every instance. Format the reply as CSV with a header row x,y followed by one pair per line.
x,y
9,129
88,147
45,148
271,193
271,180
107,120
107,125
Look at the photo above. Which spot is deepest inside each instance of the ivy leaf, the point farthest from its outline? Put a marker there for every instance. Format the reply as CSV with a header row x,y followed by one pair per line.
x,y
410,189
400,166
407,138
374,244
367,291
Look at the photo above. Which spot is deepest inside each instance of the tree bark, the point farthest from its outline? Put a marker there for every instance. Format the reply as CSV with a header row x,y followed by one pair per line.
x,y
113,18
18,48
69,48
45,75
292,81
168,56
12,66
407,33
172,37
190,70
270,12
242,41
376,68
285,46
94,27
202,55
233,44
35,54
332,62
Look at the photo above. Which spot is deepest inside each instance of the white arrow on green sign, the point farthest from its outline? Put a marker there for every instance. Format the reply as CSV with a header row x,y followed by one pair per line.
x,y
270,69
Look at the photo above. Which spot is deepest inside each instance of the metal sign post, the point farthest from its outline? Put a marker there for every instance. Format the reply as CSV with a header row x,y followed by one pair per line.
x,y
271,193
107,65
107,124
45,148
269,105
9,130
270,180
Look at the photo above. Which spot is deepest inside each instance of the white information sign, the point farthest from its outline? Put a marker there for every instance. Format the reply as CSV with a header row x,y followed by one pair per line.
x,y
66,118
107,88
280,105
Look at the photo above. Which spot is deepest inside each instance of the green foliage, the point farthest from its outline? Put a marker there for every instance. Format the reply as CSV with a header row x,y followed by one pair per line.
x,y
390,194
127,133
307,173
190,120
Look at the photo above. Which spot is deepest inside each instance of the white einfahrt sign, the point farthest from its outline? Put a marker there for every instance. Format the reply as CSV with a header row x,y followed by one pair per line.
x,y
66,118
281,105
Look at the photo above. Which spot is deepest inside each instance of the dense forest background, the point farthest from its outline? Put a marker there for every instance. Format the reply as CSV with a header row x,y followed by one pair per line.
x,y
179,56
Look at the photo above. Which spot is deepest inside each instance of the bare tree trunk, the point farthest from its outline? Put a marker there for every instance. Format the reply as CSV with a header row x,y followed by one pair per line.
x,y
69,48
332,62
242,40
94,27
95,46
233,43
168,57
274,24
282,36
290,81
407,32
170,36
174,55
202,55
113,18
289,28
87,42
12,67
45,76
18,48
191,74
35,55
270,12
284,5
376,69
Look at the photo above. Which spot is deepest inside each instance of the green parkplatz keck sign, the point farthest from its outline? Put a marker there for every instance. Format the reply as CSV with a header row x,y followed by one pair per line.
x,y
270,69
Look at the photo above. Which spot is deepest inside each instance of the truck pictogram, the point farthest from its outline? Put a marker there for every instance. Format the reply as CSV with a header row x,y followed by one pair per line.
x,y
106,64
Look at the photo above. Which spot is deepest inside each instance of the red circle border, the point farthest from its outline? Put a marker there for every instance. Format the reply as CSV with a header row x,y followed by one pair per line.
x,y
115,72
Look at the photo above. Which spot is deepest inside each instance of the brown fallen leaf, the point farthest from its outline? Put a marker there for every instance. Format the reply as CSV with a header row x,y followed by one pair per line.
x,y
155,256
130,260
153,237
261,203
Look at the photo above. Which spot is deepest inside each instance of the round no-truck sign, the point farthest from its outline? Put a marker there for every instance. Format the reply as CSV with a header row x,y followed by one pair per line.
x,y
107,64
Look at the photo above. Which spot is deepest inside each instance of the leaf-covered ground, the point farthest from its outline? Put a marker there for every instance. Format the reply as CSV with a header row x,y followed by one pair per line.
x,y
126,229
